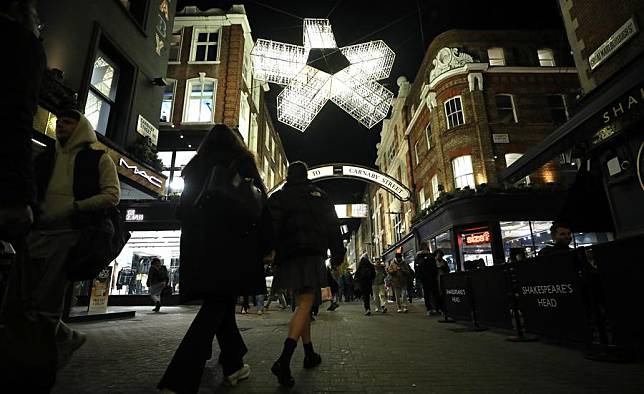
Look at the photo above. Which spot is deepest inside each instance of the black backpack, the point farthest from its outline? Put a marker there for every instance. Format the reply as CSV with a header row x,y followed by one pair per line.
x,y
101,240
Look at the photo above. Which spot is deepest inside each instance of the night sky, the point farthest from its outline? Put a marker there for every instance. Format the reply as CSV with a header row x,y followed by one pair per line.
x,y
334,136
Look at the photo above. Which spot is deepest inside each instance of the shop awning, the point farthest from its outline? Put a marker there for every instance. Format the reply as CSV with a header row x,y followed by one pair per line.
x,y
577,129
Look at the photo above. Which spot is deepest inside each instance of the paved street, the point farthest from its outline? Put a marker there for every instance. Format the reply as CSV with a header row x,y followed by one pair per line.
x,y
392,353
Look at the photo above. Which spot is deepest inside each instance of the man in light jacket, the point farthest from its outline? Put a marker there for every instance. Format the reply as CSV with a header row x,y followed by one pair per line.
x,y
75,185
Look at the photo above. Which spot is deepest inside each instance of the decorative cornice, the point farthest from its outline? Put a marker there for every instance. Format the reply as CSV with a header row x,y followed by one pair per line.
x,y
448,59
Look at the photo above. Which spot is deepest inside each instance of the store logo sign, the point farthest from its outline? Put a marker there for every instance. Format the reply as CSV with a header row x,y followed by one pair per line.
x,y
478,238
156,182
132,216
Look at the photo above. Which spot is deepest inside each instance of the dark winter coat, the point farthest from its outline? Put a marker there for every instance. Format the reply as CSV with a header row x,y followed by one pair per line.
x,y
305,223
23,63
426,269
219,253
365,274
157,275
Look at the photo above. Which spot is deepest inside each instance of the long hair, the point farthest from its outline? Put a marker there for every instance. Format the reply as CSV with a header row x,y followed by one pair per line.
x,y
223,140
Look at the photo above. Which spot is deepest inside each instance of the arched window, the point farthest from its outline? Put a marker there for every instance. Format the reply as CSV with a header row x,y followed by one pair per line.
x,y
200,100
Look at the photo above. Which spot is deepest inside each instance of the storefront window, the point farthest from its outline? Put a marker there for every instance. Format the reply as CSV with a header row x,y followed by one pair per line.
x,y
132,265
476,248
444,242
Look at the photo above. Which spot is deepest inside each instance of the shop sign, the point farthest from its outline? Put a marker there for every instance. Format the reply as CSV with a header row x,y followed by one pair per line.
x,y
132,216
100,292
400,191
628,106
140,173
147,129
162,25
320,172
614,42
501,138
478,238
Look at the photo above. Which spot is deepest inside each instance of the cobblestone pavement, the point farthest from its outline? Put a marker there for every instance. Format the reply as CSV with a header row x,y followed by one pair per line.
x,y
390,353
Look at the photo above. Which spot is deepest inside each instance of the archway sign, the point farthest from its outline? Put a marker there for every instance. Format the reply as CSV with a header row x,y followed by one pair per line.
x,y
352,171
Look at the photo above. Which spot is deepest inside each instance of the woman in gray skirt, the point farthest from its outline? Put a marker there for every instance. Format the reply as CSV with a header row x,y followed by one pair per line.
x,y
306,227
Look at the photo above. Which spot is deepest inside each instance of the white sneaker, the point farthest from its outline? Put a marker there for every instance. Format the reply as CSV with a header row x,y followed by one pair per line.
x,y
367,312
260,312
235,377
377,310
405,310
399,310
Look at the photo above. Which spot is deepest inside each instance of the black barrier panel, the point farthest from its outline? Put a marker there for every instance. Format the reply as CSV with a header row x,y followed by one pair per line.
x,y
550,297
456,292
618,288
490,292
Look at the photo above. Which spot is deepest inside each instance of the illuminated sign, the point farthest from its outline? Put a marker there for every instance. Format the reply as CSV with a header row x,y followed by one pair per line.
x,y
132,216
477,238
356,172
347,211
389,183
155,181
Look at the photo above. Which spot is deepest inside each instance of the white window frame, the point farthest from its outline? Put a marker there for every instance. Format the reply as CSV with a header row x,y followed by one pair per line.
x,y
428,137
514,107
247,70
416,152
466,178
267,137
186,99
435,192
193,45
493,56
546,57
244,117
174,96
450,116
253,133
180,31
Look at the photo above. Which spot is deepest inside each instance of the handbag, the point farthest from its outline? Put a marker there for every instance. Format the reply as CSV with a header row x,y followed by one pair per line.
x,y
327,295
225,187
97,246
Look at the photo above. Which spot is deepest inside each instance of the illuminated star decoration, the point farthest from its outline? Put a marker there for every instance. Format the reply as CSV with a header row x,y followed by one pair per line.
x,y
320,71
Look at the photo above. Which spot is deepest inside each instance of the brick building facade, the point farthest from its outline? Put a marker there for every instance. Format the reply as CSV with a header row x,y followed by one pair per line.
x,y
210,81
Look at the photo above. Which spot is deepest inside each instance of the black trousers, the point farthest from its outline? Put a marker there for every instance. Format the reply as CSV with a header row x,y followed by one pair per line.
x,y
215,318
431,295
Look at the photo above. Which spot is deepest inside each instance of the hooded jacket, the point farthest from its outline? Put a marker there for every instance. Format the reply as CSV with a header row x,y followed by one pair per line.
x,y
56,206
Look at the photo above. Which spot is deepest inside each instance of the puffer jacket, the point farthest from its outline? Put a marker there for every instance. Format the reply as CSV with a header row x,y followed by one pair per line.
x,y
305,222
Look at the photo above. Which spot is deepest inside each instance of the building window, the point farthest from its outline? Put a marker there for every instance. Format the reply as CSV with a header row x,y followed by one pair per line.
x,y
463,172
168,102
496,57
136,8
421,198
435,192
200,100
102,93
244,112
416,152
428,136
558,110
252,138
505,108
173,163
546,57
454,112
267,137
273,148
246,70
205,45
175,46
511,158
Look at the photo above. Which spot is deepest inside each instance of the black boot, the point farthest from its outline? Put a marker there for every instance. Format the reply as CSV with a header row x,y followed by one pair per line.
x,y
281,368
157,307
311,359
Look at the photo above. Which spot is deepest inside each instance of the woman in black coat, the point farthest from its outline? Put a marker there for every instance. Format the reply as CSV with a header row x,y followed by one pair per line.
x,y
221,258
365,274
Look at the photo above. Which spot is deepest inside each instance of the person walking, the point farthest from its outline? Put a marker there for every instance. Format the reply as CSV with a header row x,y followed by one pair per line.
x,y
242,236
365,275
306,227
399,271
331,275
427,273
378,288
24,61
157,280
347,283
75,186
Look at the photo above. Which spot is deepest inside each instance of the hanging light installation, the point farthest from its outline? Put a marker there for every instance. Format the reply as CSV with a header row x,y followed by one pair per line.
x,y
319,71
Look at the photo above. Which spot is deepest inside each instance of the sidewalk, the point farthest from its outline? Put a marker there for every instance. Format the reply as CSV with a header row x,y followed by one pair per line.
x,y
390,353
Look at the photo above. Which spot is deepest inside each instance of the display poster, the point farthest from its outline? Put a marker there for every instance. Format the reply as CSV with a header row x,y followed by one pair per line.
x,y
100,292
456,295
